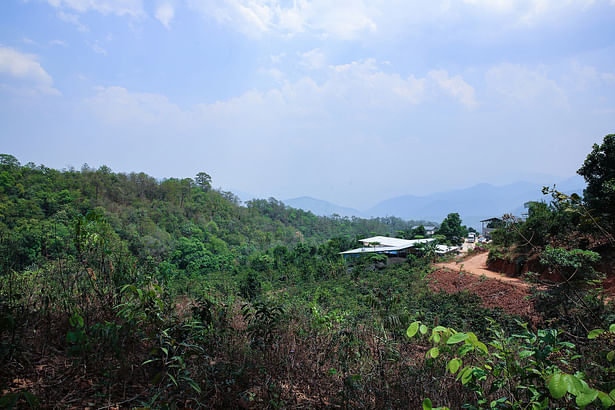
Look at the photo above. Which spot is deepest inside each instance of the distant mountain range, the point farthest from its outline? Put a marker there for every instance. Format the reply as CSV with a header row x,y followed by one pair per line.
x,y
473,204
320,207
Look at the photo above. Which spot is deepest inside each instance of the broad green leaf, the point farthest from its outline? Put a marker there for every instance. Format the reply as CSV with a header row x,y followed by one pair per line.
x,y
557,385
467,375
453,365
526,353
456,338
461,373
612,328
436,337
433,352
412,329
605,399
586,397
575,385
465,348
481,346
423,329
427,404
610,355
594,333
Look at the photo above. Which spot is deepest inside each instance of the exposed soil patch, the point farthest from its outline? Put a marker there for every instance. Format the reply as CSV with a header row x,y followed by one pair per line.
x,y
513,298
477,265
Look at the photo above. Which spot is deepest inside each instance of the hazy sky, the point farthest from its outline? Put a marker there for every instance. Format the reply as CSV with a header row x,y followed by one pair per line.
x,y
351,101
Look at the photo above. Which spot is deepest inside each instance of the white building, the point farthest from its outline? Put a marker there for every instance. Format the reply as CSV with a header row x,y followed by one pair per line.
x,y
387,246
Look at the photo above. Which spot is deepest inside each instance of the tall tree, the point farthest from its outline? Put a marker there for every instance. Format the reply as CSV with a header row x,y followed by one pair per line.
x,y
599,173
203,180
453,230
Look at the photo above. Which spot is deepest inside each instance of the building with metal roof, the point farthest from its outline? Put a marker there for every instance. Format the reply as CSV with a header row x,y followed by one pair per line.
x,y
386,245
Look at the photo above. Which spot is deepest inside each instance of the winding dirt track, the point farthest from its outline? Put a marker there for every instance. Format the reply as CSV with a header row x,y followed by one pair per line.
x,y
477,265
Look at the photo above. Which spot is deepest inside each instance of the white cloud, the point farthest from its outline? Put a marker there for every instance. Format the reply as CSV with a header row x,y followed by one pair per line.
x,y
28,40
277,58
165,12
276,74
341,19
313,59
363,82
455,86
26,68
118,7
72,19
118,106
97,48
349,89
352,19
524,84
529,11
586,76
60,43
608,78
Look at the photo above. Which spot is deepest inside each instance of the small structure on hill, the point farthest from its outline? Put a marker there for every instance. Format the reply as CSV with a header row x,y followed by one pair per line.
x,y
392,247
489,225
429,229
442,250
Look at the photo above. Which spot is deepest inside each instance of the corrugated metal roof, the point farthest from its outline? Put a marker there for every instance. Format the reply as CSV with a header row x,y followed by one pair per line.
x,y
386,244
387,241
491,219
375,249
443,249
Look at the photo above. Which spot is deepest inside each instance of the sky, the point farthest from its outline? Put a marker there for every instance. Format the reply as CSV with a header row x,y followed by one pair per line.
x,y
350,101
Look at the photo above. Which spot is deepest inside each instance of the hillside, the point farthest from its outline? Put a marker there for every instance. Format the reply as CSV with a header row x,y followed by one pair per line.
x,y
119,290
157,219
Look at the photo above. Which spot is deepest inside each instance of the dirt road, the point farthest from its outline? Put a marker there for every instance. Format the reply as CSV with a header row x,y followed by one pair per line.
x,y
477,265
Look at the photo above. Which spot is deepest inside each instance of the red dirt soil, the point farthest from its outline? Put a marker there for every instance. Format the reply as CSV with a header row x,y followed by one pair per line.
x,y
510,294
494,293
477,265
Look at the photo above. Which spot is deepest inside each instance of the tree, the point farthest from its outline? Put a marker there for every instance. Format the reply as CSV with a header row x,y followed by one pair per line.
x,y
452,229
599,173
203,180
419,231
9,161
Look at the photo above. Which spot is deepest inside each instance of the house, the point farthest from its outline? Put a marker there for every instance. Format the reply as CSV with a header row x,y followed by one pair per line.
x,y
489,225
442,250
392,247
429,229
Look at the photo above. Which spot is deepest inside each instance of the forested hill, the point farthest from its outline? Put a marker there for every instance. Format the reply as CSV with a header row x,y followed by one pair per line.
x,y
182,221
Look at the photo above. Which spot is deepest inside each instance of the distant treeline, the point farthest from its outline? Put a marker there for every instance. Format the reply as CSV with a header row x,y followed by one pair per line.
x,y
156,220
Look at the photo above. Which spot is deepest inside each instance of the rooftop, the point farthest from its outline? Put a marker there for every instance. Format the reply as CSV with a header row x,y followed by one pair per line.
x,y
385,244
387,241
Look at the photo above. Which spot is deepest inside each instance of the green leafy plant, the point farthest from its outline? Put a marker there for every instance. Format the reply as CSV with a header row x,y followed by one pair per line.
x,y
77,339
525,370
263,318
